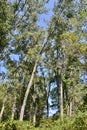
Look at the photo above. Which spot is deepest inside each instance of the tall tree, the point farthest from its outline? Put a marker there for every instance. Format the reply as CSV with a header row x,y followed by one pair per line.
x,y
26,40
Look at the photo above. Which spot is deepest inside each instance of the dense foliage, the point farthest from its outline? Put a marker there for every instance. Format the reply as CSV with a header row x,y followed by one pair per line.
x,y
75,123
43,69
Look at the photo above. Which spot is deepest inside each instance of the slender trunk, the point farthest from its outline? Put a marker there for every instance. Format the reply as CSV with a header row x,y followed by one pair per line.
x,y
30,115
47,102
61,99
67,102
48,93
27,91
47,107
70,108
34,107
34,113
58,91
34,119
60,94
58,83
13,108
3,107
73,106
30,84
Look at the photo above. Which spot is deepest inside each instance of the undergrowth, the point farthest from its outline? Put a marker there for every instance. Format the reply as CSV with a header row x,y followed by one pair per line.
x,y
77,122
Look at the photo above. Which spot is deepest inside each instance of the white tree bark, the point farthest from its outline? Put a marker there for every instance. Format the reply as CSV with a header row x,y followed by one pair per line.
x,y
61,100
34,106
3,107
30,84
13,108
27,92
70,108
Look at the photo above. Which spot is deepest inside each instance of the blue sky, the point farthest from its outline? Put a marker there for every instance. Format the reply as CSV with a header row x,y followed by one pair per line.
x,y
44,18
43,21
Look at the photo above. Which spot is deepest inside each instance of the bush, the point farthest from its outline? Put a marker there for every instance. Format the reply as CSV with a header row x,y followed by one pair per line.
x,y
8,126
80,122
77,122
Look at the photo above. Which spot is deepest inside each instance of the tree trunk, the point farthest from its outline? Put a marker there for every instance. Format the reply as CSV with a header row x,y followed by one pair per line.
x,y
30,84
71,108
47,103
27,92
47,100
34,107
31,113
47,107
3,107
13,108
68,109
34,113
58,91
60,94
61,99
34,119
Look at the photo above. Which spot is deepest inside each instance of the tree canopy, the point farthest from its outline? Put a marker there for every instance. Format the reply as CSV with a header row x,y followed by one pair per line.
x,y
46,67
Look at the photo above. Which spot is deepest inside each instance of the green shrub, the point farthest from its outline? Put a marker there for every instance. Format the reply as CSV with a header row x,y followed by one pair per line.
x,y
77,122
8,126
80,122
